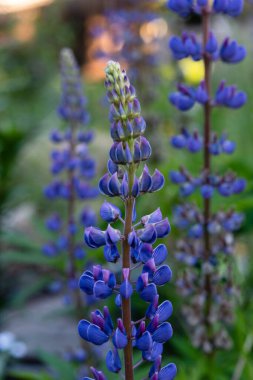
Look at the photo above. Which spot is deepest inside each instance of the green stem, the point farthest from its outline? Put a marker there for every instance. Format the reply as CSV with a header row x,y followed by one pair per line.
x,y
126,263
71,265
207,169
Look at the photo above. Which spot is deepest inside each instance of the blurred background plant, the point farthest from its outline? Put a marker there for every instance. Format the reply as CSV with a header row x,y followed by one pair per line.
x,y
206,246
31,38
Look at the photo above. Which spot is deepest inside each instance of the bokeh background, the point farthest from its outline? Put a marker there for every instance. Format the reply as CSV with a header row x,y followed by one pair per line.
x,y
37,329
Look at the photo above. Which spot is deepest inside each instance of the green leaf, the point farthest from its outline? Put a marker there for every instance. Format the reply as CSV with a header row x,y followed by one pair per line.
x,y
28,292
13,257
185,349
20,240
3,363
27,375
63,369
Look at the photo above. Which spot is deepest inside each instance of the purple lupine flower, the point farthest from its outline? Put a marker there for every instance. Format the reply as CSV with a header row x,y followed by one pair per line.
x,y
228,96
231,52
166,373
231,7
72,168
185,8
134,244
98,375
125,26
211,46
207,234
184,98
186,46
182,7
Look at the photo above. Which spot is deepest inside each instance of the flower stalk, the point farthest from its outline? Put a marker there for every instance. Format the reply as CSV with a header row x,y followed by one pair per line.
x,y
126,302
72,169
148,334
207,165
208,240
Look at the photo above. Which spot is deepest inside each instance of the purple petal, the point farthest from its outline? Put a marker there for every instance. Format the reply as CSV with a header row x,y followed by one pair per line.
x,y
145,252
83,328
164,311
111,253
145,342
148,234
163,333
126,289
94,237
98,374
101,290
114,185
162,275
145,181
96,336
109,212
149,292
160,254
112,235
119,339
168,372
86,283
145,148
113,361
154,352
162,228
104,185
154,217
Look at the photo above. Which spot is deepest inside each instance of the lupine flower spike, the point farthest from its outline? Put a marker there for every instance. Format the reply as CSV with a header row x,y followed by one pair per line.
x,y
147,335
125,26
72,168
209,235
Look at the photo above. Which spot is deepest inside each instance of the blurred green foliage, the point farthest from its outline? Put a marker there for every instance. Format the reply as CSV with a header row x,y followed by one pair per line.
x,y
28,98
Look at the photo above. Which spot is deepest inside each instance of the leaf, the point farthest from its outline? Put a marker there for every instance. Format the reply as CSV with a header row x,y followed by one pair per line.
x,y
184,347
27,375
63,369
20,240
3,363
28,292
13,257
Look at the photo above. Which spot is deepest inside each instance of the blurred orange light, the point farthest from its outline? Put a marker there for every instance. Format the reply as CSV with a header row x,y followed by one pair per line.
x,y
8,6
157,28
